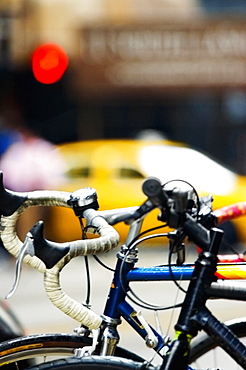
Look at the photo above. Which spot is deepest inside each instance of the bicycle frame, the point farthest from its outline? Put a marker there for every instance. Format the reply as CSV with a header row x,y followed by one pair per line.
x,y
195,316
126,272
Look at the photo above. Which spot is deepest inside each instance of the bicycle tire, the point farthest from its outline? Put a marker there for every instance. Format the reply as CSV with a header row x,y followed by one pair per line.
x,y
91,363
31,347
203,344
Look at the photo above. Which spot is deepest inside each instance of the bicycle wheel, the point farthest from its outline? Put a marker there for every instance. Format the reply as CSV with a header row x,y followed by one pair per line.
x,y
22,352
90,363
204,351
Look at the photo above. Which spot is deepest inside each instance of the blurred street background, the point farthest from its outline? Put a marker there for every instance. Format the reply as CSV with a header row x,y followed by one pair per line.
x,y
174,66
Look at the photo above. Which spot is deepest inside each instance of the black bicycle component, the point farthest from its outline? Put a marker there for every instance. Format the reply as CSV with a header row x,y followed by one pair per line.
x,y
145,208
195,300
49,252
172,203
202,278
126,217
222,335
82,200
179,205
206,216
9,201
93,363
11,328
196,232
152,188
234,290
179,349
203,344
176,245
45,345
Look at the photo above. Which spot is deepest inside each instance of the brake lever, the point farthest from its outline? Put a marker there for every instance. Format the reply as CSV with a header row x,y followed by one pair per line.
x,y
26,249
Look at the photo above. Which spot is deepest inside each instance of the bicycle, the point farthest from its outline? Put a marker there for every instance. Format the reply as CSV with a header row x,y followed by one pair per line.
x,y
83,202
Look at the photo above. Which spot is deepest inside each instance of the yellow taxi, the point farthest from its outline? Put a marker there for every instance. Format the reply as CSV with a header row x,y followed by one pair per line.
x,y
117,169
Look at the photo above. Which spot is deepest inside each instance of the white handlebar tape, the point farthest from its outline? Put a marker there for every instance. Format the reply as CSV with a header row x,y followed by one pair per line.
x,y
107,240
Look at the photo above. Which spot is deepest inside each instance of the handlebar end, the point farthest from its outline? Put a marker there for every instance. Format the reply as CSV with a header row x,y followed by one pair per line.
x,y
9,201
152,187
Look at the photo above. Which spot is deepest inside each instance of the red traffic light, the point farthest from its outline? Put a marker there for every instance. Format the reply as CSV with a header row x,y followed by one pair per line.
x,y
49,62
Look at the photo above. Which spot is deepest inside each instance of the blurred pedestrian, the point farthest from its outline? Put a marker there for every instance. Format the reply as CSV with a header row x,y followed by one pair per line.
x,y
31,163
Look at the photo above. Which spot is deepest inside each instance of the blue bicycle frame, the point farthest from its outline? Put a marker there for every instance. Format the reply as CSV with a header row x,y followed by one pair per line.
x,y
126,272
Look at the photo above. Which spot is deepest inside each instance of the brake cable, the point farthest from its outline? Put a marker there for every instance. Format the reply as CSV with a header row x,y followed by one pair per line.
x,y
87,268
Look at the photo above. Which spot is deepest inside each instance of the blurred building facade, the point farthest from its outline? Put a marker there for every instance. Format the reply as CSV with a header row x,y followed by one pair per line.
x,y
172,65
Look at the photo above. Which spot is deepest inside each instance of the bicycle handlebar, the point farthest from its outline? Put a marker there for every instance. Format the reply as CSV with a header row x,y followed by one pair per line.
x,y
107,240
173,205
